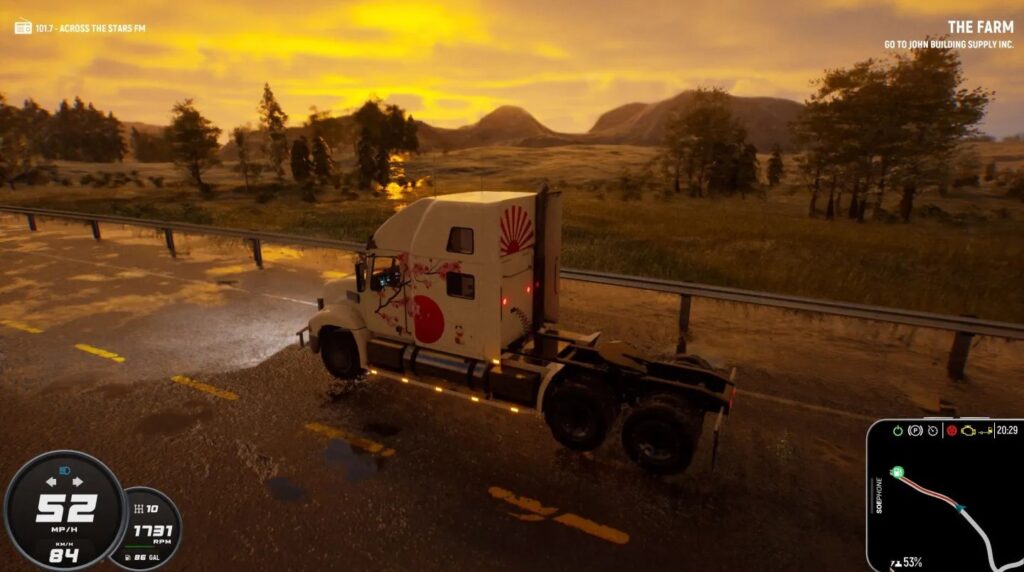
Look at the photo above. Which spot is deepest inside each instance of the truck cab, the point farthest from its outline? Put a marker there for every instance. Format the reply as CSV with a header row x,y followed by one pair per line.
x,y
459,293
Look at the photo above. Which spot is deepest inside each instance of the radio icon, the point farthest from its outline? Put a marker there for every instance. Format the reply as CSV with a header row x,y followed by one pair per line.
x,y
22,27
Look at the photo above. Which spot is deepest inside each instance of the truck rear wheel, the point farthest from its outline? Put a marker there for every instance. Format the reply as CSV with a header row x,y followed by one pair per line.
x,y
661,434
579,415
340,355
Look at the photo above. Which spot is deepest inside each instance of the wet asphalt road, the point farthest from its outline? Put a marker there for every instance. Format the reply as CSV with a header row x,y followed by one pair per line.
x,y
274,466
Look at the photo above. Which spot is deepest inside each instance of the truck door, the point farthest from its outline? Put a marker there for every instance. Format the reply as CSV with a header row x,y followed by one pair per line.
x,y
385,305
445,301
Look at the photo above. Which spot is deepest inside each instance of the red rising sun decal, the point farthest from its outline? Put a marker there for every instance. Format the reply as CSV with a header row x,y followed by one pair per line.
x,y
516,231
428,320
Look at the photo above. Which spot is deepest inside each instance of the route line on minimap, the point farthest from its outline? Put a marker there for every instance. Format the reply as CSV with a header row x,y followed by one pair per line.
x,y
962,510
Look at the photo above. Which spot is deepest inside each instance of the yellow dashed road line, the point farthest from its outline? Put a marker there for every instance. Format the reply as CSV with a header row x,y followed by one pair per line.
x,y
541,512
99,352
205,387
21,326
367,445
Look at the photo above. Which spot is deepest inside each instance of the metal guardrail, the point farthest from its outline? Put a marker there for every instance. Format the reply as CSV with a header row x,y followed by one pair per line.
x,y
965,328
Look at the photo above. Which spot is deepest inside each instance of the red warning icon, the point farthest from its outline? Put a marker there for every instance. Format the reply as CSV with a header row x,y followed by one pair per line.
x,y
951,430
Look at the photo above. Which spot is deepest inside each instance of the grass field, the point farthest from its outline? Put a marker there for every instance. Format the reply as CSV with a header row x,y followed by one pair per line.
x,y
962,254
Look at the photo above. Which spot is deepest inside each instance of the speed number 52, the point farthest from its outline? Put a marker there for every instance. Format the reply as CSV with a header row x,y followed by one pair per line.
x,y
51,508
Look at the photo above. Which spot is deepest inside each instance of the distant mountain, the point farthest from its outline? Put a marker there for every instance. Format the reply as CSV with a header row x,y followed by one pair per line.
x,y
257,140
506,125
618,116
147,128
767,120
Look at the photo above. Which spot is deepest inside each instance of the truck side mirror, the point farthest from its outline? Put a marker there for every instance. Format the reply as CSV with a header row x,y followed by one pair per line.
x,y
361,276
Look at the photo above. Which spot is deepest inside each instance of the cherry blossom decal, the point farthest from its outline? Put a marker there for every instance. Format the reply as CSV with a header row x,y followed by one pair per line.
x,y
427,317
516,231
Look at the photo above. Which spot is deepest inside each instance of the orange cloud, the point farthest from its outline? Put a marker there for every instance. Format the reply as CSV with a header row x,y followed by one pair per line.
x,y
566,62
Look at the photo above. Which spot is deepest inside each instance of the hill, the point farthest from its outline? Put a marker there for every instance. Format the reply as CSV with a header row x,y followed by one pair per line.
x,y
618,116
507,125
766,119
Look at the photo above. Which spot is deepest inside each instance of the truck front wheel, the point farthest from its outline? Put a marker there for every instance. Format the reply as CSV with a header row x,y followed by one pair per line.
x,y
579,415
661,434
340,355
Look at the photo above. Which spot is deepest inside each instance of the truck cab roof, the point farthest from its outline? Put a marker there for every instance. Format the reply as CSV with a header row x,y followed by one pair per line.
x,y
462,209
483,197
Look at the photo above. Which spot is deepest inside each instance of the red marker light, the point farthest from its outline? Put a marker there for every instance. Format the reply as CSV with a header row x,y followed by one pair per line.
x,y
504,301
529,288
951,430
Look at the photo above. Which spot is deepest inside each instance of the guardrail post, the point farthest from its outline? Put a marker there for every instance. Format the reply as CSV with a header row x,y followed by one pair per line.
x,y
32,222
958,355
169,240
257,252
685,301
95,229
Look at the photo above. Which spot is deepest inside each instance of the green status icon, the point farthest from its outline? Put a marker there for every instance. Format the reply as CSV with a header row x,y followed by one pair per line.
x,y
897,431
897,472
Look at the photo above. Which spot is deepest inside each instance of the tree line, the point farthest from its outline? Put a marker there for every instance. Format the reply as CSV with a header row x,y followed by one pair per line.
x,y
887,126
376,131
74,132
80,132
893,126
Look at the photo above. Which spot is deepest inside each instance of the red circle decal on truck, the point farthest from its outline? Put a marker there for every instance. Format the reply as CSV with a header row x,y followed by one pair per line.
x,y
428,320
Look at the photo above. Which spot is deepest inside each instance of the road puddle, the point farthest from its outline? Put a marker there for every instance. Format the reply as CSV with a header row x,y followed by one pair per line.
x,y
381,428
284,489
357,465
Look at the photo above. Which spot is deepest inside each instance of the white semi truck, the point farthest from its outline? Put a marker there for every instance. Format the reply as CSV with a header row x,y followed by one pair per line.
x,y
460,293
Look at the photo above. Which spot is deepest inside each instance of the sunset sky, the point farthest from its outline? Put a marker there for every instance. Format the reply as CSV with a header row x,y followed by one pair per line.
x,y
451,62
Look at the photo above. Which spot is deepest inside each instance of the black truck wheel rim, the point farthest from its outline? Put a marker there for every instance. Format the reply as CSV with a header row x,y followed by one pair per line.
x,y
578,421
656,441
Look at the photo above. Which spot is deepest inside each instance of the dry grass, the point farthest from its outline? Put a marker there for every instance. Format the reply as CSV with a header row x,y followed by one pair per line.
x,y
964,258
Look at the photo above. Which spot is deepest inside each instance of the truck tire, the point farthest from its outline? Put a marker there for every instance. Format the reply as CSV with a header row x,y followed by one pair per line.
x,y
580,414
661,434
693,360
340,354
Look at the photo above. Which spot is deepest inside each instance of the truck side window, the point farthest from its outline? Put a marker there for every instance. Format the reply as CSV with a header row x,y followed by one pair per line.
x,y
460,239
461,285
386,274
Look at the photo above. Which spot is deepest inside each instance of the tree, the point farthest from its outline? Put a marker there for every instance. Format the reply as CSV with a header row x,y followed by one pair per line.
x,y
240,135
335,131
77,132
10,142
935,114
776,168
878,122
273,120
990,171
323,165
381,133
23,134
194,141
300,160
709,146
